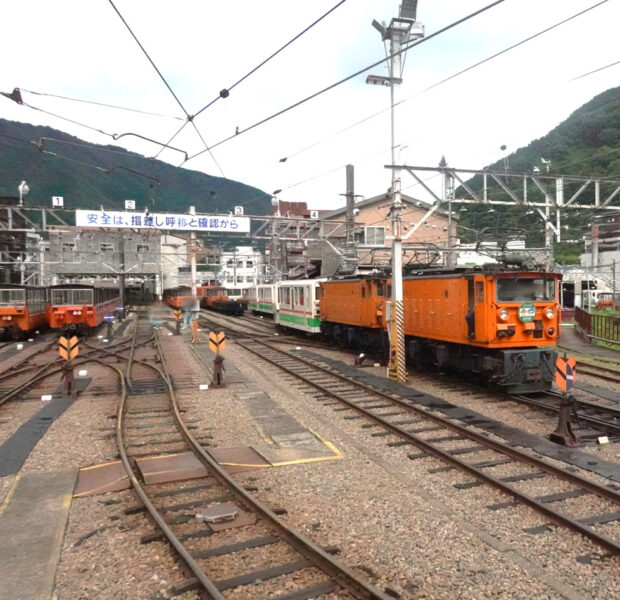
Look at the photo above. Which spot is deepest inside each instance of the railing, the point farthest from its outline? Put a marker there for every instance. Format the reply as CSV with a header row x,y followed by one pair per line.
x,y
598,327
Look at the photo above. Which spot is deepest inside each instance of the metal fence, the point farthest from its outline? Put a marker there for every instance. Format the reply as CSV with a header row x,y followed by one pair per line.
x,y
600,327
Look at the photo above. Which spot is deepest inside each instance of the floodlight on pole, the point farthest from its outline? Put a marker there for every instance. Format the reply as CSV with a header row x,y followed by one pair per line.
x,y
400,30
23,190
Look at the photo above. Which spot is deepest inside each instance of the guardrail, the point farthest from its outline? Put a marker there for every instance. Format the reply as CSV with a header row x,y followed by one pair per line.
x,y
598,327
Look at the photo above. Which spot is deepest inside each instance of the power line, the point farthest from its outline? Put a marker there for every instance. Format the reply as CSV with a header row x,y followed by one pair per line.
x,y
527,39
453,76
16,97
596,70
340,82
47,112
225,92
97,147
149,58
187,115
136,110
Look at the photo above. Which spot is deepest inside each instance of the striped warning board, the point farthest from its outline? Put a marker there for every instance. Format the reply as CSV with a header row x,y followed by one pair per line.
x,y
217,341
68,348
565,373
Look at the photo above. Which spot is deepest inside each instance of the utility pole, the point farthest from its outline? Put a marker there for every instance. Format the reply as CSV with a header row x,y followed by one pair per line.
x,y
400,30
121,275
350,195
447,195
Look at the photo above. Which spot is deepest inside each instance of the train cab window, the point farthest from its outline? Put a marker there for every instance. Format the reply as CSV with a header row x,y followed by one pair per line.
x,y
524,289
12,297
363,291
380,289
142,248
72,297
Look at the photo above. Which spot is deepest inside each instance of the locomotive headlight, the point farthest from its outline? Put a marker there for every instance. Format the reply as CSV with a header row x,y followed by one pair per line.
x,y
549,313
550,331
503,314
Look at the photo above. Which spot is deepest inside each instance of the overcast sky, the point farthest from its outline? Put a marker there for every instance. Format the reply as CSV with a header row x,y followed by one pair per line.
x,y
81,49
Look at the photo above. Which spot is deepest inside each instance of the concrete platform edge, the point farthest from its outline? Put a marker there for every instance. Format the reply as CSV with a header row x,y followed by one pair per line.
x,y
33,522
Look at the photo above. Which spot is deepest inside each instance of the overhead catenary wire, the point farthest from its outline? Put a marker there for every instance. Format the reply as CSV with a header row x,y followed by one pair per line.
x,y
349,77
115,106
225,92
273,55
443,81
114,136
187,115
596,70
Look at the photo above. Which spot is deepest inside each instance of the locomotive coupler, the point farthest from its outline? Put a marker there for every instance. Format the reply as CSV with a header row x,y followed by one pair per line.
x,y
563,433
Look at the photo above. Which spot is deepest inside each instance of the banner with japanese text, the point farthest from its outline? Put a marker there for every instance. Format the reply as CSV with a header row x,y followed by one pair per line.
x,y
161,221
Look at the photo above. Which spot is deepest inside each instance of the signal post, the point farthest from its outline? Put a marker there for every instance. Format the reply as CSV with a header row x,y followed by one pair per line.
x,y
217,343
68,349
178,313
565,374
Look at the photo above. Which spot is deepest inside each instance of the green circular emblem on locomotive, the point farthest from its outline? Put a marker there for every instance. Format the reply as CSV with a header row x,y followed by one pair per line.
x,y
527,312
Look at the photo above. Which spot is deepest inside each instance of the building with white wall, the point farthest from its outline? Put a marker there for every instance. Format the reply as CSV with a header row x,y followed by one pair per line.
x,y
241,267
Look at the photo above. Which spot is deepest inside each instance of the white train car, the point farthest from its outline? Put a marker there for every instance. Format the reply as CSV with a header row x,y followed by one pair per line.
x,y
262,298
297,305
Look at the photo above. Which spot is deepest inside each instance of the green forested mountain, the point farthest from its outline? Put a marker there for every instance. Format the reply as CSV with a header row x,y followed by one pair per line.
x,y
89,175
587,143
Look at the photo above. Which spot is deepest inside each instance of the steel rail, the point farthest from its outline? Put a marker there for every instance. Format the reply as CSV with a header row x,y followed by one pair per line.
x,y
555,516
206,583
44,372
612,375
584,404
344,576
40,374
12,373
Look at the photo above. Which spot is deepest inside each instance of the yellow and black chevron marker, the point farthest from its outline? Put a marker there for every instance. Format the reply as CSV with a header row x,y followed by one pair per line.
x,y
217,341
68,348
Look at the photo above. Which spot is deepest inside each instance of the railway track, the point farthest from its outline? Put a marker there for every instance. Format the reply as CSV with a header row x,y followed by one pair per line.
x,y
38,366
152,424
595,419
495,463
599,371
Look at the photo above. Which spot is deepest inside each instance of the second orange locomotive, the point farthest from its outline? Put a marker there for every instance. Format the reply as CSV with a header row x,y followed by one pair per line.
x,y
498,325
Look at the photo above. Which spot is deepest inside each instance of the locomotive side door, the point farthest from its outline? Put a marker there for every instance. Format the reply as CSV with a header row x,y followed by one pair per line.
x,y
476,303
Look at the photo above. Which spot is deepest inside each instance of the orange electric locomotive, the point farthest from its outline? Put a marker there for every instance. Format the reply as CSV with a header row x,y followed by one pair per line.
x,y
497,324
180,297
22,309
80,307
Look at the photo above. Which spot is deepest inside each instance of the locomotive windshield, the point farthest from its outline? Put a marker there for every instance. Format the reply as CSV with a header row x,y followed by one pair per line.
x,y
68,297
522,289
12,297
